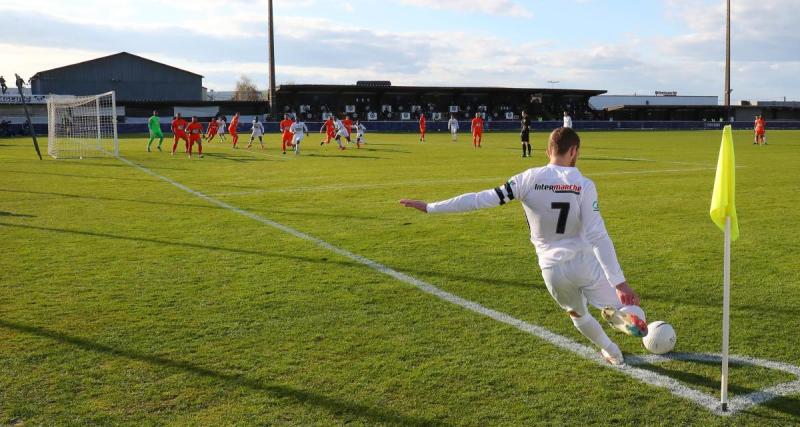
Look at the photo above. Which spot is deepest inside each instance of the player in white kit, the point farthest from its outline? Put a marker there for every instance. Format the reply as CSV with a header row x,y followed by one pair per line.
x,y
567,120
360,130
341,131
299,131
576,256
258,131
452,125
222,128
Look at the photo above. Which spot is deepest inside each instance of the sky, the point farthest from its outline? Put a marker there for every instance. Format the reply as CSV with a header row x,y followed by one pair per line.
x,y
622,46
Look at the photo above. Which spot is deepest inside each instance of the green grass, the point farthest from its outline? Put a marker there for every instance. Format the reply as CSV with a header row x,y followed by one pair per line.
x,y
124,300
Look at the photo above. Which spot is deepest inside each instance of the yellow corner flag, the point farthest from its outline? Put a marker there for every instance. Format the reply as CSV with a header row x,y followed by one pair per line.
x,y
723,199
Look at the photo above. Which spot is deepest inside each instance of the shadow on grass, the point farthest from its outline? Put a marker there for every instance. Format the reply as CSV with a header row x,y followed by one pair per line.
x,y
12,214
112,199
344,156
81,176
283,256
340,408
237,158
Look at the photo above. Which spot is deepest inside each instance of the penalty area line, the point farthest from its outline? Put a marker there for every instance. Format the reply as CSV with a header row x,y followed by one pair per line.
x,y
646,376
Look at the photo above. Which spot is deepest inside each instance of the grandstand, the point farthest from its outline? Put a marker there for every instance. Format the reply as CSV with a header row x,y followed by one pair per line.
x,y
383,101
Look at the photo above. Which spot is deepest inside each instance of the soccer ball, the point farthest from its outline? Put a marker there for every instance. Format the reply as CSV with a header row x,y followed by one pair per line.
x,y
660,338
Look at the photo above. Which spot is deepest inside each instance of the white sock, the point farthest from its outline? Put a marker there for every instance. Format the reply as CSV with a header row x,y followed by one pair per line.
x,y
590,328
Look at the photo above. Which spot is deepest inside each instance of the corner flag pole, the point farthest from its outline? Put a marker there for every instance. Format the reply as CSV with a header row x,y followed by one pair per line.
x,y
20,84
726,313
723,214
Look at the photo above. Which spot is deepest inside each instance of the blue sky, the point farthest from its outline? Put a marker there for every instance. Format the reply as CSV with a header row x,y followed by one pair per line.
x,y
622,46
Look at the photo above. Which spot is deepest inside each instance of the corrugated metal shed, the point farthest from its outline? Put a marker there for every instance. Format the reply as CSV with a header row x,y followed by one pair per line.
x,y
132,77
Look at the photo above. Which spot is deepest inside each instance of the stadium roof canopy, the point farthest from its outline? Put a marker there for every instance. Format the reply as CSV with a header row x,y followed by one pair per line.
x,y
428,89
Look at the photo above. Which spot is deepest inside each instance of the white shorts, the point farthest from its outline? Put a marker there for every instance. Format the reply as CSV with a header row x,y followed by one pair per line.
x,y
221,130
298,137
579,281
453,130
342,133
257,133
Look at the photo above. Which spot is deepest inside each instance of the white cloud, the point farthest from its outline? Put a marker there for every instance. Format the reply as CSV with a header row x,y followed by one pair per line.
x,y
492,7
232,41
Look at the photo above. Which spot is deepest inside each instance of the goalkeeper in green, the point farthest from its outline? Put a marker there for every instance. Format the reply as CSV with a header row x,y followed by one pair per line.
x,y
154,124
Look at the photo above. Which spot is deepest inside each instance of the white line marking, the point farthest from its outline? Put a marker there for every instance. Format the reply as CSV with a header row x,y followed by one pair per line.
x,y
339,187
649,377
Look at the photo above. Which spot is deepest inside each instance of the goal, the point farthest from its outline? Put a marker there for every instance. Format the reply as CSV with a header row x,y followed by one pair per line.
x,y
82,126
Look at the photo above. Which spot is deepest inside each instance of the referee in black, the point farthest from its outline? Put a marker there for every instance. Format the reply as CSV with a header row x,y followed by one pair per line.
x,y
524,134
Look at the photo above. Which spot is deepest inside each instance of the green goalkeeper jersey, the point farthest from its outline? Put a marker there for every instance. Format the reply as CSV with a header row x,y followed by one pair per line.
x,y
154,124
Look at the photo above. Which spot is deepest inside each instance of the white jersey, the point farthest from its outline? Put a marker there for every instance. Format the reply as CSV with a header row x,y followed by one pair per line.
x,y
299,130
360,130
567,121
452,124
340,129
258,128
562,212
222,126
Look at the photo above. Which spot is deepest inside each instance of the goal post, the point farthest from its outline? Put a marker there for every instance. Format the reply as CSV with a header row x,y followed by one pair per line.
x,y
82,126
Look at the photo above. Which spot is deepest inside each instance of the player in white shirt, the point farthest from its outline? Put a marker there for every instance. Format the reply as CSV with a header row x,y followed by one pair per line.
x,y
341,131
222,128
360,130
299,131
576,256
567,120
258,131
452,125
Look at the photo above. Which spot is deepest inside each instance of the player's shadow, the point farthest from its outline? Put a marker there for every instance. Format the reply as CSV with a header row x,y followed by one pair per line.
x,y
788,405
238,158
388,150
339,408
83,176
110,199
16,215
344,156
280,256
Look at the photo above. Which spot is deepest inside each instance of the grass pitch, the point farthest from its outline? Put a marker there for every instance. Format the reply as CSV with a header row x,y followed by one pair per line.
x,y
125,300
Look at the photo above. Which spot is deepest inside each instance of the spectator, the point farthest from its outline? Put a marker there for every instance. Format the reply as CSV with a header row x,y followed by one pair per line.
x,y
3,86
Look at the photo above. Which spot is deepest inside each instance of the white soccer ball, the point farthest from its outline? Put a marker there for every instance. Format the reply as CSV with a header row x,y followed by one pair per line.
x,y
634,309
660,337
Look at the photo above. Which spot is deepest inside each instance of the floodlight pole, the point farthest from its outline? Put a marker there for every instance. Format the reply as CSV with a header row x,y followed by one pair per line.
x,y
728,61
20,84
272,103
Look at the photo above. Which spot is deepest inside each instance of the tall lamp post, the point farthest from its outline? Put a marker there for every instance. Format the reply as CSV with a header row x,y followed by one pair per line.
x,y
728,61
272,103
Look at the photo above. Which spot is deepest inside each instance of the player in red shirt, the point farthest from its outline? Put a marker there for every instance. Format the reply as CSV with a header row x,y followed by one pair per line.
x,y
195,130
422,127
329,131
477,130
179,130
348,124
213,127
232,129
286,130
760,128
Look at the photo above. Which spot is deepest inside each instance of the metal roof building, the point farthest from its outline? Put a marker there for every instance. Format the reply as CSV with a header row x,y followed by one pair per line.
x,y
132,77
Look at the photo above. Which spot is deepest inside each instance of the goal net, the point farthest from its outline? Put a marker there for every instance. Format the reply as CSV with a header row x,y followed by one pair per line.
x,y
82,126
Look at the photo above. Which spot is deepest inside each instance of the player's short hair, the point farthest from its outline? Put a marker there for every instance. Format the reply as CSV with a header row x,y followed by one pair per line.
x,y
562,139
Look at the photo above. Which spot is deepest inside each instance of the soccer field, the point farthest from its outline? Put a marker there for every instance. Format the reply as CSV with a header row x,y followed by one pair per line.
x,y
252,288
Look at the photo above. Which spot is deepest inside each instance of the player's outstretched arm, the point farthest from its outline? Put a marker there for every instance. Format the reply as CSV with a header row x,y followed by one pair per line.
x,y
466,202
416,204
